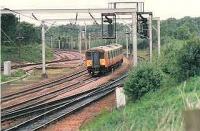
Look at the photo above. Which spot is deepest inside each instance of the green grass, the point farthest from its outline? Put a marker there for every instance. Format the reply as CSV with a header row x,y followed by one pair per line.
x,y
28,53
156,111
16,74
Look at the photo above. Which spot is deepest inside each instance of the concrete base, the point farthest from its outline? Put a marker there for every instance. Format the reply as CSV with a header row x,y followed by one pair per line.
x,y
7,68
44,76
120,97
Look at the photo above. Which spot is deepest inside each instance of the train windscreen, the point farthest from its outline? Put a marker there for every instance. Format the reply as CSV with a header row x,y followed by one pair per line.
x,y
88,55
101,55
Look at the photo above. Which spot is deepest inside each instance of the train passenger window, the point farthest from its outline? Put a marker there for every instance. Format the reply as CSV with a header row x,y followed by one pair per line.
x,y
112,54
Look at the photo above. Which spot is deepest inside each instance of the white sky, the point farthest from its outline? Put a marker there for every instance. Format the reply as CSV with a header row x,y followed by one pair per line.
x,y
162,8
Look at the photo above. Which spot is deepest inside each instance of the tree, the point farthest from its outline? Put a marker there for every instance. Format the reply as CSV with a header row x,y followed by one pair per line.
x,y
27,31
8,27
183,33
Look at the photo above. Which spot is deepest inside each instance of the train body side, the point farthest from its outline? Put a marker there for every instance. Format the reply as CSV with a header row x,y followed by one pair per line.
x,y
103,59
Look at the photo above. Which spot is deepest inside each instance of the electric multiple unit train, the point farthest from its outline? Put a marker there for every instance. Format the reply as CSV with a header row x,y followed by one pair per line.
x,y
103,58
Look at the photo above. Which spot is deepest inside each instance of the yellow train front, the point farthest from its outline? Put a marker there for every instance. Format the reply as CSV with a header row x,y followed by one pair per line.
x,y
102,59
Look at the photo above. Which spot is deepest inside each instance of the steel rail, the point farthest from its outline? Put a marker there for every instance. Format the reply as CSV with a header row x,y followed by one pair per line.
x,y
41,86
65,109
39,108
43,98
39,63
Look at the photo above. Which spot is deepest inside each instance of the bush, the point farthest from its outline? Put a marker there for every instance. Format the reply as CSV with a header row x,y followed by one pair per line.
x,y
28,53
188,60
18,73
168,59
142,79
142,44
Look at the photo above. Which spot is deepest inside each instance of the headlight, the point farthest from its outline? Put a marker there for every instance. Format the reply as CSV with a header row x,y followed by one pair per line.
x,y
102,62
89,62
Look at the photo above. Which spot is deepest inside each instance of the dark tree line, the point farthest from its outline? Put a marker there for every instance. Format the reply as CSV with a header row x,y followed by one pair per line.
x,y
14,32
181,29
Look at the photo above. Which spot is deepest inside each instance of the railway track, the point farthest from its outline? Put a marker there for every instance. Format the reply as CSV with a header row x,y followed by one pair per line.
x,y
60,58
44,114
34,100
51,90
43,99
42,85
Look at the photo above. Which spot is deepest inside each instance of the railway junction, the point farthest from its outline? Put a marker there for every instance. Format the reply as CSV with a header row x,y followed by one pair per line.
x,y
68,101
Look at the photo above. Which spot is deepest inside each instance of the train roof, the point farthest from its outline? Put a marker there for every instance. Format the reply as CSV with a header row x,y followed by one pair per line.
x,y
107,47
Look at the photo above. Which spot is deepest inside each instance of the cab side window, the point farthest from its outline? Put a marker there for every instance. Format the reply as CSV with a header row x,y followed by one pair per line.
x,y
117,51
88,55
101,55
112,54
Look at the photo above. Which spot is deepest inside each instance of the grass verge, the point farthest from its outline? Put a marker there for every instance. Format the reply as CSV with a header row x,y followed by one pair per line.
x,y
14,75
156,111
24,53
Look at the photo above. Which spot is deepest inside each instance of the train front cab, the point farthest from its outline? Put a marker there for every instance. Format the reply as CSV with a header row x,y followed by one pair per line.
x,y
95,61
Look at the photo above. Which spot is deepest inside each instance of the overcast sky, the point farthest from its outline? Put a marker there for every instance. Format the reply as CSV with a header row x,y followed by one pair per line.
x,y
162,8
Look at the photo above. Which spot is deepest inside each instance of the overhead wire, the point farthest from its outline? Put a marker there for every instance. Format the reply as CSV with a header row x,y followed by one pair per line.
x,y
21,14
7,35
93,18
33,17
76,18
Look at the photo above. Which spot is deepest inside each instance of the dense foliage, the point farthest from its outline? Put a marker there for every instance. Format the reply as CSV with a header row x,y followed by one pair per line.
x,y
8,27
181,29
16,32
168,59
25,53
180,59
188,59
142,79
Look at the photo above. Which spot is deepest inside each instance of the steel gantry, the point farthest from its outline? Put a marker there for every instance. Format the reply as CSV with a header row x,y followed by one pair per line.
x,y
118,11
